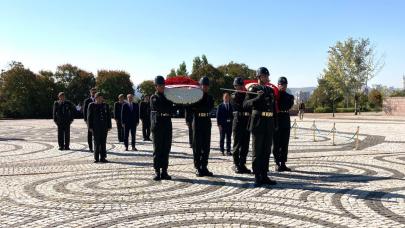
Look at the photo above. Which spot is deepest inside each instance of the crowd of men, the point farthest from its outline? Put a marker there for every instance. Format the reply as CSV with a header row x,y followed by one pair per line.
x,y
262,111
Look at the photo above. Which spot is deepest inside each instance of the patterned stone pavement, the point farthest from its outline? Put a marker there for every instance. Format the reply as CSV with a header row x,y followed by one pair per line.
x,y
332,186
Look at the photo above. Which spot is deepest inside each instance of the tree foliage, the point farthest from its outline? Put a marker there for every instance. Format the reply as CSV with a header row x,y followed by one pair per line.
x,y
112,83
147,87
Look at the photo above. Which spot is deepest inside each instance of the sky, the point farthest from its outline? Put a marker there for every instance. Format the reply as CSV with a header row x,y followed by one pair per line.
x,y
149,37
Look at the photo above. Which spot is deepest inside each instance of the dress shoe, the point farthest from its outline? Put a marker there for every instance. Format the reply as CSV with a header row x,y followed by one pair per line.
x,y
61,148
126,148
67,148
96,161
207,173
134,149
165,175
245,170
228,153
285,168
267,180
104,161
199,173
157,176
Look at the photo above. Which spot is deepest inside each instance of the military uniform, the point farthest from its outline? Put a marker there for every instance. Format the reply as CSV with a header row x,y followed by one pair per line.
x,y
87,102
117,116
261,124
99,120
241,135
161,128
282,134
63,116
189,122
202,134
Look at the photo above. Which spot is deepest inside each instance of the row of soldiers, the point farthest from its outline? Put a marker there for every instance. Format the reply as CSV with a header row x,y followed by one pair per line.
x,y
258,112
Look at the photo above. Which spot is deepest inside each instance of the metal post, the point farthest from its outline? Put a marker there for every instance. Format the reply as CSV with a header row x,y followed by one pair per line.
x,y
314,128
333,134
295,128
357,138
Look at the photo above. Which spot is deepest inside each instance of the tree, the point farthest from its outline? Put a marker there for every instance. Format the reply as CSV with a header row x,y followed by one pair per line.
x,y
197,63
233,70
351,64
112,83
147,87
182,70
172,73
24,94
375,98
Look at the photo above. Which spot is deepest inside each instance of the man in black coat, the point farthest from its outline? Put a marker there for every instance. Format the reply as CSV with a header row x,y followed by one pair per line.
x,y
188,114
130,120
261,124
99,123
282,133
63,116
241,135
202,130
161,127
117,116
144,112
86,102
224,122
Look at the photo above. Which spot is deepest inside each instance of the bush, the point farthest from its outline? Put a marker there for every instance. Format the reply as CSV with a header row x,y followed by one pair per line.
x,y
345,110
322,109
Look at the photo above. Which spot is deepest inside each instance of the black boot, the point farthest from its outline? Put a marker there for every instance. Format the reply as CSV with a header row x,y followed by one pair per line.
x,y
245,170
258,180
157,175
165,175
267,180
285,168
206,172
199,173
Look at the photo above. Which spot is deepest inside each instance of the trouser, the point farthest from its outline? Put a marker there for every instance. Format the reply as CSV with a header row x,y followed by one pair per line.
x,y
120,131
301,112
146,129
100,140
90,139
280,147
225,132
201,143
162,143
64,135
241,139
261,141
128,129
190,133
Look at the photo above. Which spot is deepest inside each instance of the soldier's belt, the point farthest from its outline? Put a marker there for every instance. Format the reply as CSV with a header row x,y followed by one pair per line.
x,y
203,114
242,113
265,114
284,111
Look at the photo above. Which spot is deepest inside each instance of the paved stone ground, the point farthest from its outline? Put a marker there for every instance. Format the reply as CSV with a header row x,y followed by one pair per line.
x,y
333,186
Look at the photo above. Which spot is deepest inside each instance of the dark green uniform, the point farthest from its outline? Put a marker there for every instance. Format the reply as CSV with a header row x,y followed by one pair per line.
x,y
282,134
241,135
261,124
202,133
99,120
161,128
63,116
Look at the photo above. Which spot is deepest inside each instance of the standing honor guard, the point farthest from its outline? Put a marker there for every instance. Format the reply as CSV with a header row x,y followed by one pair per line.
x,y
202,130
99,123
261,124
87,101
144,114
282,134
63,116
130,120
224,122
189,122
161,127
117,116
241,135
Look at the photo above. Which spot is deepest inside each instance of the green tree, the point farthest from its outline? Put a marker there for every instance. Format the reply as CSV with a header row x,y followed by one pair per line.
x,y
146,87
375,98
233,70
112,83
172,73
351,64
182,70
197,63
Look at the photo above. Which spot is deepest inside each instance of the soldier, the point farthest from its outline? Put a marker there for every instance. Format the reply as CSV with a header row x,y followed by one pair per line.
x,y
241,135
282,134
144,112
117,116
63,116
130,120
87,101
301,110
99,123
161,127
189,122
202,130
261,124
224,122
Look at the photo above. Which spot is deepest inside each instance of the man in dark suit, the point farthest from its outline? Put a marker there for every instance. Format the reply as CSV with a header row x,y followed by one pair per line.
x,y
87,101
99,123
224,122
63,116
117,116
144,112
130,120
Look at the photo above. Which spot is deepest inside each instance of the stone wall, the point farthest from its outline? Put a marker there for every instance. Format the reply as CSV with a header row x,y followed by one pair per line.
x,y
394,106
